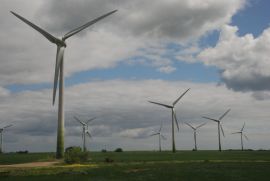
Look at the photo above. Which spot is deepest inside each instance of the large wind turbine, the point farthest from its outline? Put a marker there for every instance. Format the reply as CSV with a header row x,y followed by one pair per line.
x,y
242,134
174,119
1,136
219,126
159,136
85,130
59,72
195,133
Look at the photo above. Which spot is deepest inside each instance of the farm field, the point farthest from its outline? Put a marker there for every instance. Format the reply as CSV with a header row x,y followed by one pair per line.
x,y
183,165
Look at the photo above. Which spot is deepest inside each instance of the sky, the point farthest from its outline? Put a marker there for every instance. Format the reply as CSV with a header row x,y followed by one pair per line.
x,y
146,51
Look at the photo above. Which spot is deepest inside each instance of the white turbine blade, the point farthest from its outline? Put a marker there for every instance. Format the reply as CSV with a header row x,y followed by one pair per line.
x,y
59,59
221,117
175,119
190,126
88,133
243,127
201,125
90,120
50,37
160,104
77,30
154,134
210,119
160,127
222,130
77,119
180,97
7,126
246,137
163,137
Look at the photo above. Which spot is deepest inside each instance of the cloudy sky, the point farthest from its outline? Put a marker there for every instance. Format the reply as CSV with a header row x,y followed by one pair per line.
x,y
148,50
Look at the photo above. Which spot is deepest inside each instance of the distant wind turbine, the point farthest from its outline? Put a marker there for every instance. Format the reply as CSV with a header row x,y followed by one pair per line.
x,y
1,135
159,136
174,119
85,130
242,134
59,72
219,126
195,133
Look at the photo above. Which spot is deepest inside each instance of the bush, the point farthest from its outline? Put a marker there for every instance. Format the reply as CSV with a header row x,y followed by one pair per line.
x,y
75,154
118,150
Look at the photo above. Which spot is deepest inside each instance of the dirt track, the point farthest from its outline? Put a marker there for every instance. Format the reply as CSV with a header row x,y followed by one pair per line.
x,y
30,165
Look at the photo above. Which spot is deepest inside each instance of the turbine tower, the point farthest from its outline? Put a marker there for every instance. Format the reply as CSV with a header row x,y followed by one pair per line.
x,y
174,119
1,136
159,136
195,133
59,72
219,126
85,130
242,134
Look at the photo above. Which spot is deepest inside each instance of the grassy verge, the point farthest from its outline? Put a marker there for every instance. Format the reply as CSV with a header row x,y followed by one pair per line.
x,y
184,165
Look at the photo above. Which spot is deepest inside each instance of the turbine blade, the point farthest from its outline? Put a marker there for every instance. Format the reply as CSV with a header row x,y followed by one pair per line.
x,y
236,132
190,126
243,127
77,30
246,137
201,125
160,104
47,35
88,133
221,117
222,130
7,126
59,59
90,120
210,119
175,119
77,119
163,137
154,134
160,127
180,97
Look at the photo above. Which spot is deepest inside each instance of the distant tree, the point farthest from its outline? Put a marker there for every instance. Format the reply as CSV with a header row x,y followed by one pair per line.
x,y
118,150
22,152
103,150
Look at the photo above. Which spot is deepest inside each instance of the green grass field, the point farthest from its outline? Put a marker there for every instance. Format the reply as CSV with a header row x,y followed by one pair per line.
x,y
183,165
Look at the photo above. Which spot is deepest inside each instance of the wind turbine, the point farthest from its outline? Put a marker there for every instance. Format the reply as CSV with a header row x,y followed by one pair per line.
x,y
59,72
174,119
219,126
242,134
1,136
85,130
195,133
159,136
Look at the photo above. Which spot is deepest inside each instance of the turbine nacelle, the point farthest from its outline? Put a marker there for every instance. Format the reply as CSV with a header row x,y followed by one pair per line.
x,y
61,42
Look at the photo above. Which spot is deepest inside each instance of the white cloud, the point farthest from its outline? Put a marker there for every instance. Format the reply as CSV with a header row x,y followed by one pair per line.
x,y
121,108
244,60
167,69
136,133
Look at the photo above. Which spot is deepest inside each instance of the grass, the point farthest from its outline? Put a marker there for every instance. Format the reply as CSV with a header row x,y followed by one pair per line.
x,y
14,158
184,165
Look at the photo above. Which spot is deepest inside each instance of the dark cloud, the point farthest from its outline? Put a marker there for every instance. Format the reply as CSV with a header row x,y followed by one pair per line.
x,y
162,19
